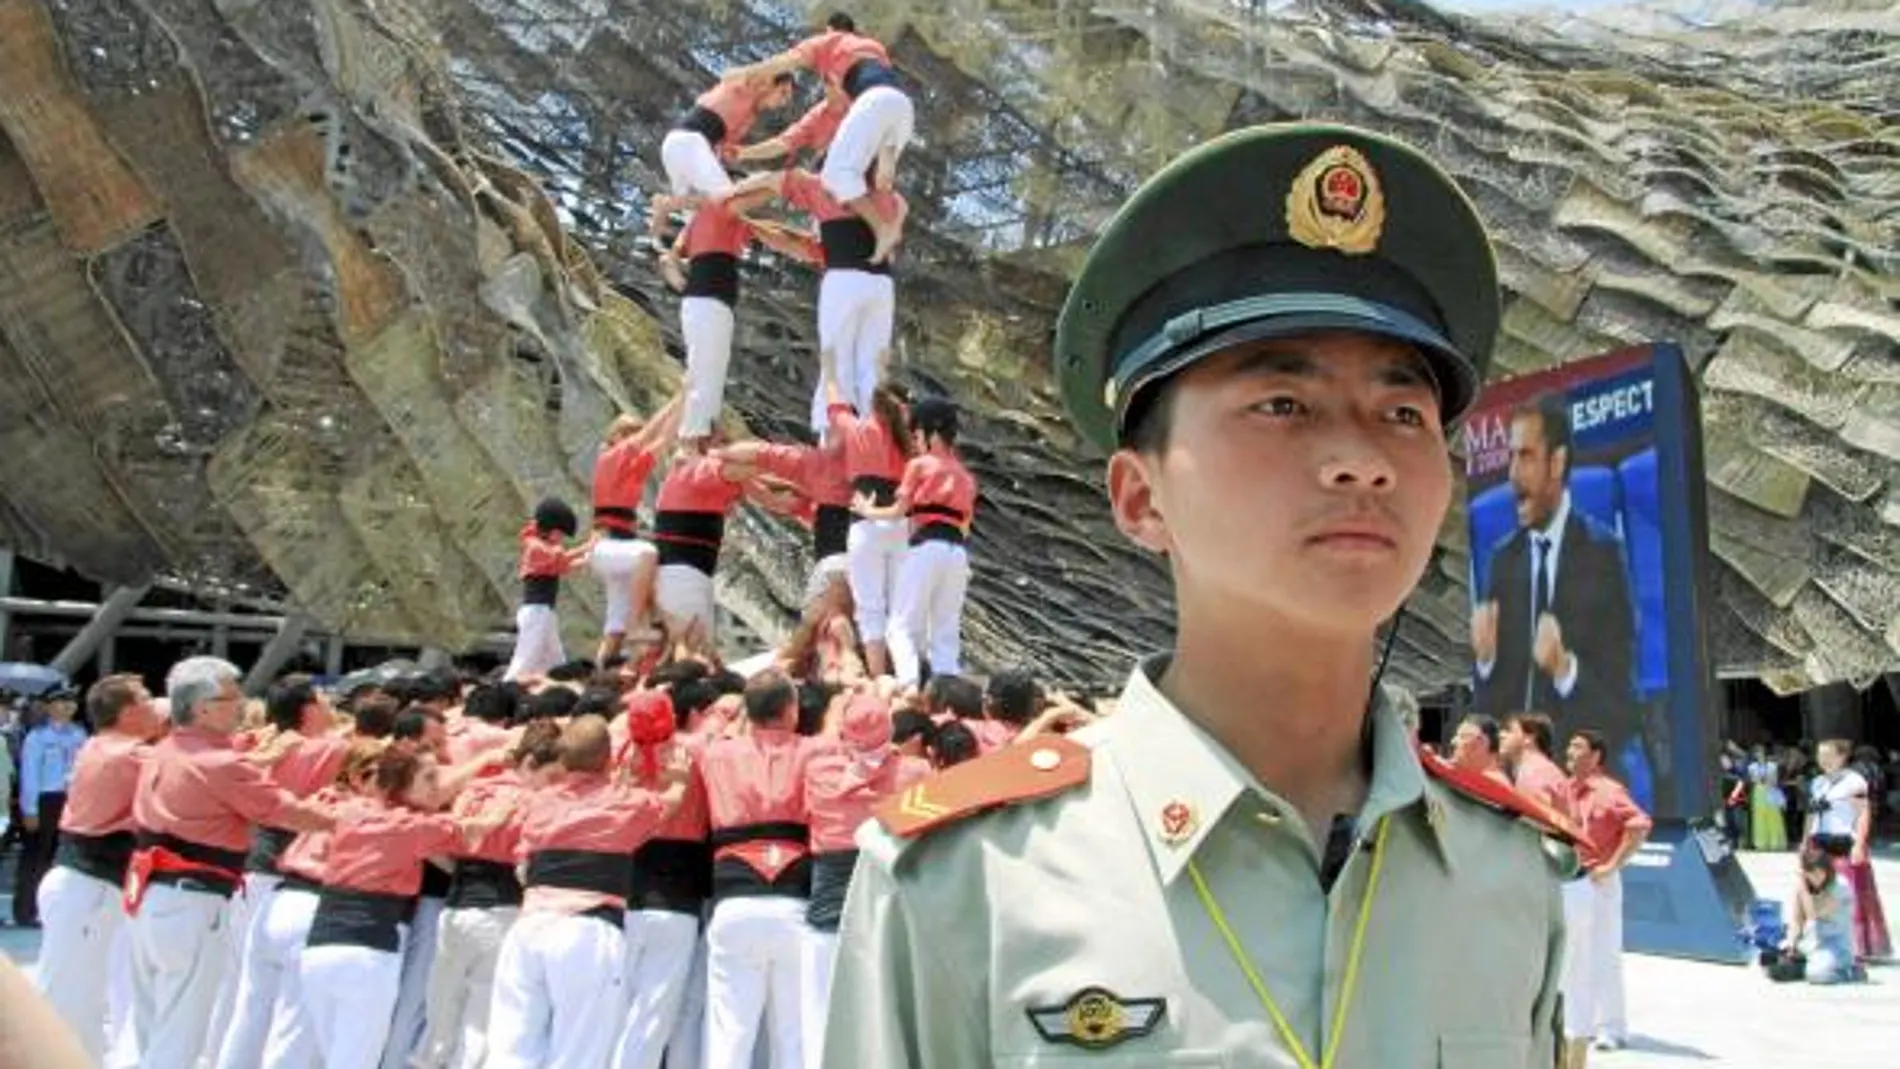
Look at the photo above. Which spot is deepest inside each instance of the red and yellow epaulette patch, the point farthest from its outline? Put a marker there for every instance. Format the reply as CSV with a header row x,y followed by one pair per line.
x,y
1483,789
1020,772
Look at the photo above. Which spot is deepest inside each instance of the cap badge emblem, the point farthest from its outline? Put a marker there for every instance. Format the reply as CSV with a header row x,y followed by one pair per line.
x,y
1337,203
1096,1018
1177,822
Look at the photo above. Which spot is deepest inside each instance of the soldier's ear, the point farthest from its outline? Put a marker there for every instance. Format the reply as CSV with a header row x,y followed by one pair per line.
x,y
1132,499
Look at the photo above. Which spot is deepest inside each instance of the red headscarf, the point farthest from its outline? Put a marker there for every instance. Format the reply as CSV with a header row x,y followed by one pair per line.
x,y
649,727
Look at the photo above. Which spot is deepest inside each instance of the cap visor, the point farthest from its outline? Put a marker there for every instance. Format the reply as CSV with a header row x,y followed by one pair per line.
x,y
1456,380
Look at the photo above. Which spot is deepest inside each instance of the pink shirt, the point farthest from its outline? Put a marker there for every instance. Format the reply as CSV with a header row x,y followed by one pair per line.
x,y
310,764
586,811
698,484
380,848
716,228
1606,812
105,777
736,104
806,192
195,786
833,53
758,779
542,556
470,737
938,480
819,474
1539,779
840,792
869,448
992,735
816,128
502,845
620,476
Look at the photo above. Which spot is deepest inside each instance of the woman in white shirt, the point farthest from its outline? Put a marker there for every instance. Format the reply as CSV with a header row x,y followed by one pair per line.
x,y
1841,819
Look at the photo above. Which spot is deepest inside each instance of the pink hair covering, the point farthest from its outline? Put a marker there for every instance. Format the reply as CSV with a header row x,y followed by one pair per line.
x,y
866,732
649,727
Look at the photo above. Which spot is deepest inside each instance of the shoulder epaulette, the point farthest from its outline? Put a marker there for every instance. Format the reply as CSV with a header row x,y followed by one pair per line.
x,y
1489,792
1020,772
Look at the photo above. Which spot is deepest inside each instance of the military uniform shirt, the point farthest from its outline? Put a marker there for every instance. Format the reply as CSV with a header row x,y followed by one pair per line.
x,y
949,941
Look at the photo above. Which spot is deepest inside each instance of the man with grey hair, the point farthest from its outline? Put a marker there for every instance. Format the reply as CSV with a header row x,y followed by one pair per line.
x,y
197,799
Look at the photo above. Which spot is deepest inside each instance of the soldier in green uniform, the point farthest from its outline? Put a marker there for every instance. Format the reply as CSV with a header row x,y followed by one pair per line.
x,y
1250,864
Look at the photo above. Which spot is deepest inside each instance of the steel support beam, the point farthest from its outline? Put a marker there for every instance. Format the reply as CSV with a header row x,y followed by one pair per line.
x,y
281,647
105,621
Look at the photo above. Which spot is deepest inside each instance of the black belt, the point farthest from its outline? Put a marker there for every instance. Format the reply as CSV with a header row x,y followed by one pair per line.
x,y
616,522
714,275
937,532
103,857
267,845
673,875
541,590
435,881
733,878
704,122
216,857
690,538
294,882
882,491
478,884
360,919
580,870
774,831
830,881
849,243
865,75
830,531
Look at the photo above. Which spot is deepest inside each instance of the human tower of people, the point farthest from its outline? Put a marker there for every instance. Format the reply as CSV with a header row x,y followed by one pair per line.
x,y
575,864
887,500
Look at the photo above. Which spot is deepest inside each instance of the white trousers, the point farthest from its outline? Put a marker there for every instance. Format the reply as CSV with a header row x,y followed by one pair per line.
x,y
1593,959
687,1049
407,1023
467,951
927,613
179,952
692,164
880,119
660,949
243,911
292,1039
349,992
81,919
260,973
752,963
614,562
558,993
857,311
706,325
819,953
873,551
537,642
685,594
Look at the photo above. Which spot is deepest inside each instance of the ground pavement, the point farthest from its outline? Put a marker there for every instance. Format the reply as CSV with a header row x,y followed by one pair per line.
x,y
1683,1015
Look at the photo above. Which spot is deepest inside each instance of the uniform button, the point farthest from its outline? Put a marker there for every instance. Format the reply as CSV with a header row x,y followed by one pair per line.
x,y
1045,760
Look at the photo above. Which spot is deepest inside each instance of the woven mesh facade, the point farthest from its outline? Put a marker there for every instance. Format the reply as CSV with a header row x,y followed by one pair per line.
x,y
313,298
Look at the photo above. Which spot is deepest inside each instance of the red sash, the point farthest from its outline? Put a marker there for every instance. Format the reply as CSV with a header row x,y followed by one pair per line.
x,y
157,860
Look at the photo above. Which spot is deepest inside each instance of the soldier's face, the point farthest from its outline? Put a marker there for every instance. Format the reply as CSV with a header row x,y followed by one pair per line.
x,y
1303,479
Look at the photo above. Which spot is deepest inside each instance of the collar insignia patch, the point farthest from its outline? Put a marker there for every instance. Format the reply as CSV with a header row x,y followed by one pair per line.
x,y
1095,1018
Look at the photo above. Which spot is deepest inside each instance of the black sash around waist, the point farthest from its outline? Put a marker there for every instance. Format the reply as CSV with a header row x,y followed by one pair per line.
x,y
830,531
673,875
580,870
267,845
294,882
714,275
690,538
541,590
616,522
103,857
216,857
435,881
478,884
830,880
865,75
704,122
360,919
733,878
882,491
849,243
937,530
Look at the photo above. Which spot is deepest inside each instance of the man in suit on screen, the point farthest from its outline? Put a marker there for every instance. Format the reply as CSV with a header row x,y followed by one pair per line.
x,y
1554,630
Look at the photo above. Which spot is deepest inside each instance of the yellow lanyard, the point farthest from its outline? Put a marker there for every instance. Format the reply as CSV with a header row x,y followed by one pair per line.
x,y
1338,1029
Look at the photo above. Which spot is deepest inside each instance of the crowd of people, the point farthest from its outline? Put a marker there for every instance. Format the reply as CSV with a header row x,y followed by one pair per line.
x,y
597,867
